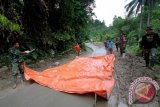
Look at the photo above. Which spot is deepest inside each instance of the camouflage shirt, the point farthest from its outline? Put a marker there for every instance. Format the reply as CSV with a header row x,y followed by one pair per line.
x,y
16,55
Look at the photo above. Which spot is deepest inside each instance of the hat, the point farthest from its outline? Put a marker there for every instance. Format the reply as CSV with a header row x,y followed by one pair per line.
x,y
149,28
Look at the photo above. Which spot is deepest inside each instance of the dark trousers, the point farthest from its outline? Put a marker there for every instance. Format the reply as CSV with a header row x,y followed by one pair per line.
x,y
146,57
122,50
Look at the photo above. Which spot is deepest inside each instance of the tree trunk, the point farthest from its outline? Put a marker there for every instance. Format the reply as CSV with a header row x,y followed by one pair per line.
x,y
141,19
140,26
3,6
148,18
151,4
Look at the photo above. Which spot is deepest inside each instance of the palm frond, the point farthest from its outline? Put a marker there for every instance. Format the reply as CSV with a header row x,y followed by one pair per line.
x,y
138,8
132,6
128,6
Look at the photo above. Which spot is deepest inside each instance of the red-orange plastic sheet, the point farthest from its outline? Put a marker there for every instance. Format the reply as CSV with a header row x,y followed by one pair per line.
x,y
82,75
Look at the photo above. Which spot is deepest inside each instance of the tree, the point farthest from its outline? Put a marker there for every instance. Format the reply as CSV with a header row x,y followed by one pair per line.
x,y
141,6
98,30
50,23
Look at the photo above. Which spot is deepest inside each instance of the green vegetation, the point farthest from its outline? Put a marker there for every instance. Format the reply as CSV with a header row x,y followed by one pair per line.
x,y
98,30
54,26
6,24
140,15
49,26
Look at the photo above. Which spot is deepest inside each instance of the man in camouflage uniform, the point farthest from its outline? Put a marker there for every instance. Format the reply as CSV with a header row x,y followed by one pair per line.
x,y
16,62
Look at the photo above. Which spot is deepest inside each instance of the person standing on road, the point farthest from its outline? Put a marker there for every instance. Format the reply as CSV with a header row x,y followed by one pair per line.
x,y
110,47
122,45
77,49
117,44
106,45
149,43
140,44
16,63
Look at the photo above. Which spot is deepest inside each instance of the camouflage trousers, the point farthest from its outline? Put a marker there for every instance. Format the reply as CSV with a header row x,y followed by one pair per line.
x,y
17,69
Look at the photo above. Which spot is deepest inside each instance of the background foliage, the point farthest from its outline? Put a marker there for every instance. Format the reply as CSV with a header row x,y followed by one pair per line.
x,y
54,26
49,26
133,25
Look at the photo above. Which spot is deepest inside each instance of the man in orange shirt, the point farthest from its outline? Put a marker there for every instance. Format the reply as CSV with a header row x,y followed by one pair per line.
x,y
77,49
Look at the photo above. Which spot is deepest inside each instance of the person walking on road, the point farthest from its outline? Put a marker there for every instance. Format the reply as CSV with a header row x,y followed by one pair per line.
x,y
149,43
117,45
122,45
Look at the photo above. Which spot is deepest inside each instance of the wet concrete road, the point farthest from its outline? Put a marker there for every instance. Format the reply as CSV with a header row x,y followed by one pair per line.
x,y
97,51
38,96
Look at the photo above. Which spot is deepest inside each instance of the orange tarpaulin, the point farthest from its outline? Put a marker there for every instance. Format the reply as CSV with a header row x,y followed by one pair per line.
x,y
82,75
